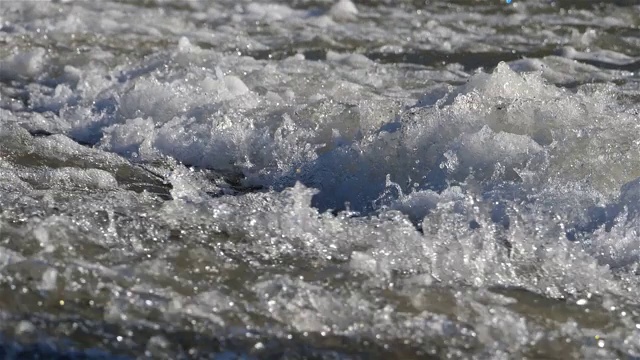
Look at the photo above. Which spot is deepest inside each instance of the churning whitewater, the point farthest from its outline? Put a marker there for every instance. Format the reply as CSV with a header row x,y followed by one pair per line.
x,y
319,179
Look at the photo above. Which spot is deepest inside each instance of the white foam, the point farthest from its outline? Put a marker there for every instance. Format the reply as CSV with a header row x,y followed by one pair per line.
x,y
343,10
49,280
23,64
605,56
354,60
132,138
268,11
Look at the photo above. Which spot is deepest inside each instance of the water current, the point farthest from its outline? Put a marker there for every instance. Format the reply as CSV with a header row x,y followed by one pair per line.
x,y
317,179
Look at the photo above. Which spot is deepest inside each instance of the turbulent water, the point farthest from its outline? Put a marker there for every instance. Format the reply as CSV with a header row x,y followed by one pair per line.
x,y
318,179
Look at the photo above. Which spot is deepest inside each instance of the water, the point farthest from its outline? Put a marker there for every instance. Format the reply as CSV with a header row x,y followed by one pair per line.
x,y
310,179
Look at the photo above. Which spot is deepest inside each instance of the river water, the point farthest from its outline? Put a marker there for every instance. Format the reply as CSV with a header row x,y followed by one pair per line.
x,y
318,179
